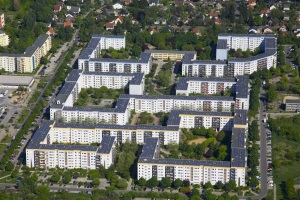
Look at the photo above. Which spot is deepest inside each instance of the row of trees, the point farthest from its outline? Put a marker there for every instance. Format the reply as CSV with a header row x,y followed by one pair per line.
x,y
254,96
164,75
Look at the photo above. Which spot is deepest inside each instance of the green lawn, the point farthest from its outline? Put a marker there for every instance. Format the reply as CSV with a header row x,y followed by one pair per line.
x,y
2,148
6,139
287,168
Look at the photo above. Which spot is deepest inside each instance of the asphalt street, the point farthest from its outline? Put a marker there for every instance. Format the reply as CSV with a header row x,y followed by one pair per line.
x,y
263,152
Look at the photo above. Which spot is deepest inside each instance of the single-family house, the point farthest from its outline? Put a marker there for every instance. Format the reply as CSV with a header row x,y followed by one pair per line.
x,y
73,9
282,28
253,30
57,8
267,30
119,19
286,6
217,21
264,12
296,29
273,7
68,22
252,3
127,2
51,31
117,6
213,14
197,31
286,18
219,6
134,21
153,2
109,26
152,31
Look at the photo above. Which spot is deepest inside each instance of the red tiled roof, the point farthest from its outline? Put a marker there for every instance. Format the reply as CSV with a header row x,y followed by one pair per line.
x,y
68,23
51,31
217,20
109,25
56,7
264,12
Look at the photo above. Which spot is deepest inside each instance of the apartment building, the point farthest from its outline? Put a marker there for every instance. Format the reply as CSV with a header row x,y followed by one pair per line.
x,y
8,61
40,153
2,20
4,39
198,171
231,67
90,61
205,86
68,95
292,105
166,103
208,86
170,55
30,59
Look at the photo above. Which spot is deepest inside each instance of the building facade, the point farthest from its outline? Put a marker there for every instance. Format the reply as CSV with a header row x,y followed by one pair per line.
x,y
4,39
30,59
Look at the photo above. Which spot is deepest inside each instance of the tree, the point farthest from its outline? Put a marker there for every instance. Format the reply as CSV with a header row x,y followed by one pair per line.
x,y
16,5
43,191
95,182
142,182
219,185
177,183
15,173
27,185
210,133
152,182
208,185
257,21
121,184
230,185
271,94
9,166
67,178
289,188
165,182
164,78
195,194
43,60
55,178
221,136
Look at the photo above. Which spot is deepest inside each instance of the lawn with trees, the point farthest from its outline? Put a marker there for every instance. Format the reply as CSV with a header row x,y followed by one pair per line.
x,y
145,118
95,95
286,154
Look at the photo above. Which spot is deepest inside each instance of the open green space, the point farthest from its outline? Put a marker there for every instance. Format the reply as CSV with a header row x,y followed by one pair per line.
x,y
94,95
286,154
6,139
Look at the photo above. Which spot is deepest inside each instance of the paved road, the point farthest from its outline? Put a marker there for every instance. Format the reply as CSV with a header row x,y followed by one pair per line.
x,y
287,53
275,115
263,153
274,196
263,150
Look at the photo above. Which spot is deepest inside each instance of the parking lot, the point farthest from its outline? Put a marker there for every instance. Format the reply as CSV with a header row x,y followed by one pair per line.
x,y
9,115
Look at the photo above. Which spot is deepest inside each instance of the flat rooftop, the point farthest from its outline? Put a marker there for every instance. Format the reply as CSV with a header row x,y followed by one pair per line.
x,y
10,80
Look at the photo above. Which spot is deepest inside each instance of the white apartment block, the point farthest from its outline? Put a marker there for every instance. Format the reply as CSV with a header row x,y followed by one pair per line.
x,y
30,59
166,103
41,153
196,171
8,62
90,133
4,39
113,81
90,61
207,86
231,67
